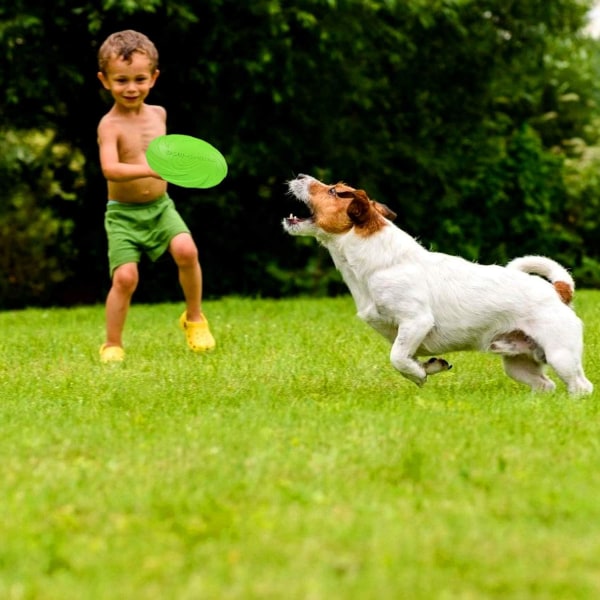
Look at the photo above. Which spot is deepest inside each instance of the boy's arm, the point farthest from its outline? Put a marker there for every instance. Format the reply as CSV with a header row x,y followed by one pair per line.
x,y
112,168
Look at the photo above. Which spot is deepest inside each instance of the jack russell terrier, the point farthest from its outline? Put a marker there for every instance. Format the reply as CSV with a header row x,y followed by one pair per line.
x,y
426,303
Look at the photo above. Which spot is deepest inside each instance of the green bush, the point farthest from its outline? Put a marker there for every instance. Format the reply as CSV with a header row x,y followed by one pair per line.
x,y
36,251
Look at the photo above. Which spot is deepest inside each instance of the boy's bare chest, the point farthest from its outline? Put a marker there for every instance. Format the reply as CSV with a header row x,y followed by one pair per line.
x,y
135,137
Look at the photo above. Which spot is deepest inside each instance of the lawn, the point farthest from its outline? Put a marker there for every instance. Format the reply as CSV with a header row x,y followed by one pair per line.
x,y
293,462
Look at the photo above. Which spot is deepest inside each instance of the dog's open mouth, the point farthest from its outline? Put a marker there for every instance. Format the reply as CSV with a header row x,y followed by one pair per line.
x,y
294,220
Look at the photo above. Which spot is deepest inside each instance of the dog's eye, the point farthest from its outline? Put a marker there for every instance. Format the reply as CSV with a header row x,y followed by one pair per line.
x,y
332,191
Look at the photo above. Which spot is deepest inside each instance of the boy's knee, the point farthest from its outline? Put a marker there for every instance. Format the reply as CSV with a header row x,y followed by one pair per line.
x,y
185,254
126,278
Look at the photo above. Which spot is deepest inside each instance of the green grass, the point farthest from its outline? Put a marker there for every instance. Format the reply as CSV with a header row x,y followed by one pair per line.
x,y
293,462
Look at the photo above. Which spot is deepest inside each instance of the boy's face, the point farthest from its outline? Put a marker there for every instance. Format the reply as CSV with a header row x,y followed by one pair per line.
x,y
129,82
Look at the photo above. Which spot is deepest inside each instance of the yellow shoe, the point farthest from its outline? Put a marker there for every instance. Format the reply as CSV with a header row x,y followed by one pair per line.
x,y
197,333
110,354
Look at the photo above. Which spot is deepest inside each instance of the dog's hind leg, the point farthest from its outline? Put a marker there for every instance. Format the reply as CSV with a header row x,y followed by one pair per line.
x,y
568,367
526,370
562,341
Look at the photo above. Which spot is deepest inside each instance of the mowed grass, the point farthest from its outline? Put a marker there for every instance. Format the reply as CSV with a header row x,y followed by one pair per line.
x,y
293,462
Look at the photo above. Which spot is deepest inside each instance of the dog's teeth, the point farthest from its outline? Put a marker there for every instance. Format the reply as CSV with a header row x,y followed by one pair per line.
x,y
291,216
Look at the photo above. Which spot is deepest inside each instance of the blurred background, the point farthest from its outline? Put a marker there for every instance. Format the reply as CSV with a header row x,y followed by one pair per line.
x,y
477,121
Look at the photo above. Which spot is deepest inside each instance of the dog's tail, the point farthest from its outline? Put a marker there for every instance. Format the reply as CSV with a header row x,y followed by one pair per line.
x,y
556,274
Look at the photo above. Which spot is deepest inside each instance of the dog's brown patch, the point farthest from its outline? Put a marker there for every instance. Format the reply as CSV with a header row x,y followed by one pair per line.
x,y
329,211
564,290
339,208
366,214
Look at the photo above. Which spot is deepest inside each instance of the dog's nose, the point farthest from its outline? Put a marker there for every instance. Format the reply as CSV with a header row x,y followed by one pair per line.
x,y
302,175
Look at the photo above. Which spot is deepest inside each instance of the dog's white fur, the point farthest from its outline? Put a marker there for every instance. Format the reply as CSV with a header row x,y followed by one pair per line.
x,y
427,303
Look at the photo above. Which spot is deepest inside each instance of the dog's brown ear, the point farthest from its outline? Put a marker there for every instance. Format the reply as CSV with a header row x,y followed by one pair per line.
x,y
358,209
386,211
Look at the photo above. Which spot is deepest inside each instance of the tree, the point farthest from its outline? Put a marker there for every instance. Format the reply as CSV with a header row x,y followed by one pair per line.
x,y
460,114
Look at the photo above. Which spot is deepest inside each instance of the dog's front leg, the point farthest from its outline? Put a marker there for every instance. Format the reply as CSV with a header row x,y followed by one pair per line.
x,y
410,335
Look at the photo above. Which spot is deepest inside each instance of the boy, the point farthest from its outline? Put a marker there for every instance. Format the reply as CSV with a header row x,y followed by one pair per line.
x,y
140,216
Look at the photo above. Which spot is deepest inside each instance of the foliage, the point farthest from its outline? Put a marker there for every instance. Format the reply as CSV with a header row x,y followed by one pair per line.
x,y
583,186
293,462
36,252
459,114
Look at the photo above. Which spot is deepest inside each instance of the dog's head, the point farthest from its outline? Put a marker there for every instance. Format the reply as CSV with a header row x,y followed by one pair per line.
x,y
335,209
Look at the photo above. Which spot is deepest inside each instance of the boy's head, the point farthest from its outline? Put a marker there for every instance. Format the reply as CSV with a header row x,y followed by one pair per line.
x,y
123,45
128,63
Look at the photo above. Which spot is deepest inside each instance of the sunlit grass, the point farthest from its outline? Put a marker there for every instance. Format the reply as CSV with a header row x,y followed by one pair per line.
x,y
293,462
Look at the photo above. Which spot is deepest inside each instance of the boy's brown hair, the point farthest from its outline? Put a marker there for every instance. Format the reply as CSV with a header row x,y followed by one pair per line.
x,y
123,44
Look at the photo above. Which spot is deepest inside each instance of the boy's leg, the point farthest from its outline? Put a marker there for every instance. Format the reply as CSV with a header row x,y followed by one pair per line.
x,y
184,252
124,282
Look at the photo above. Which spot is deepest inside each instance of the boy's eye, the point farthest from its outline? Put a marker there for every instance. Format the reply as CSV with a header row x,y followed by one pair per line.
x,y
123,80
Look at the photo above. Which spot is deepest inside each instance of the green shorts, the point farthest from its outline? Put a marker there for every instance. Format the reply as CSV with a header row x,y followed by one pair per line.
x,y
133,229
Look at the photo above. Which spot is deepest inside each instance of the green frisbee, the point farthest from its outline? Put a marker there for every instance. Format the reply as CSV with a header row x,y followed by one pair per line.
x,y
186,161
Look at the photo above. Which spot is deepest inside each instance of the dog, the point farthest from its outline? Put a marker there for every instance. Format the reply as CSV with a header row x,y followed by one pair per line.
x,y
427,303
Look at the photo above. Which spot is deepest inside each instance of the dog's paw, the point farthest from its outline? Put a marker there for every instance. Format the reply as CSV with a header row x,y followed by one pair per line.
x,y
436,365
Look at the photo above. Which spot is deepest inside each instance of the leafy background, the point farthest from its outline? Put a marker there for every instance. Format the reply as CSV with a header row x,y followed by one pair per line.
x,y
476,121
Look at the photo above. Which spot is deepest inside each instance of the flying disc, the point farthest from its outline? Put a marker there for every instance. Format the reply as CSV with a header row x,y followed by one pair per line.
x,y
186,161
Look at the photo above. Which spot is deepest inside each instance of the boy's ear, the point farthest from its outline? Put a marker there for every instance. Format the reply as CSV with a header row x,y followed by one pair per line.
x,y
155,77
103,80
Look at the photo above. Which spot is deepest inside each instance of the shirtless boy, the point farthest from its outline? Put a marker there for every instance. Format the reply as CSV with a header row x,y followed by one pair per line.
x,y
140,217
